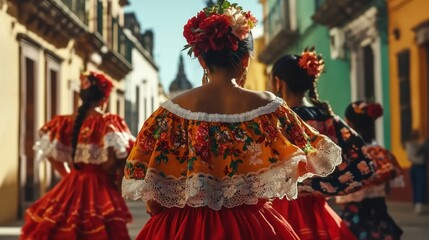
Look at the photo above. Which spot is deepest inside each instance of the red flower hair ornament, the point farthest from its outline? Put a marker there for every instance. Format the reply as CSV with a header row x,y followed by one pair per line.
x,y
89,79
312,62
217,28
372,110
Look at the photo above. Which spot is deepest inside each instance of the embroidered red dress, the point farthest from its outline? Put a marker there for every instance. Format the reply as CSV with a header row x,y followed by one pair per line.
x,y
85,204
216,173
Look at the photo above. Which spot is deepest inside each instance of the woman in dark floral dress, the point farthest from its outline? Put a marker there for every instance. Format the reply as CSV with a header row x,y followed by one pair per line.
x,y
365,211
310,215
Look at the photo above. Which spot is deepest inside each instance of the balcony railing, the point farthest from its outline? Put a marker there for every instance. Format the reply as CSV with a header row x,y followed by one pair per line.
x,y
278,18
78,7
336,13
279,34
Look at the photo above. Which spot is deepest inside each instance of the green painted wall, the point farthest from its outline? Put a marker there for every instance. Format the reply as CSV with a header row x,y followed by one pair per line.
x,y
334,85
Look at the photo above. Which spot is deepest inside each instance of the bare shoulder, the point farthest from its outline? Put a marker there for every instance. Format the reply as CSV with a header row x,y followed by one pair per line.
x,y
258,98
184,98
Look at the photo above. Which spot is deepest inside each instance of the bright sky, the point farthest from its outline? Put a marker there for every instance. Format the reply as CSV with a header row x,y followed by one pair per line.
x,y
166,18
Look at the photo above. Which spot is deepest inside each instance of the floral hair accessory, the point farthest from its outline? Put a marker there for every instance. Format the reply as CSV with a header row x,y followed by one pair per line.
x,y
372,110
217,28
312,62
89,79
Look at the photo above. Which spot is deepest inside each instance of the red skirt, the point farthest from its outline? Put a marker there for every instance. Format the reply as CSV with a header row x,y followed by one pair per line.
x,y
312,218
259,221
84,205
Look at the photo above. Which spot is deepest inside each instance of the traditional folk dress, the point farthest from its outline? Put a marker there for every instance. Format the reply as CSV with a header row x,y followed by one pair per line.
x,y
365,211
85,204
215,173
310,215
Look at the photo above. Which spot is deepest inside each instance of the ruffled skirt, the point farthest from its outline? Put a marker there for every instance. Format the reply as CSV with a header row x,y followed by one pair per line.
x,y
84,205
245,222
312,218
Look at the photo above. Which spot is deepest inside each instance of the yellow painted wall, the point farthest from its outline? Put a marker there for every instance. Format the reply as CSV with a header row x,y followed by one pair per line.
x,y
257,78
404,15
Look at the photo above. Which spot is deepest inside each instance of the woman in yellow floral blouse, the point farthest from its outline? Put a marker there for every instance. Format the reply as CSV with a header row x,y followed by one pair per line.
x,y
208,161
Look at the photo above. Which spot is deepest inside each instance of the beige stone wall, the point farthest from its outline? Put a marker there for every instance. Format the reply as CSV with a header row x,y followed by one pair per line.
x,y
8,121
70,68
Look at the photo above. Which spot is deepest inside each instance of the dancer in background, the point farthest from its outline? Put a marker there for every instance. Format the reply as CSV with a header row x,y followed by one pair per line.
x,y
86,203
294,76
208,161
365,211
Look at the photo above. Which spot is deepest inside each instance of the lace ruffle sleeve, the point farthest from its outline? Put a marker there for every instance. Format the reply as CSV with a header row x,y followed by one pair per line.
x,y
118,136
54,139
226,160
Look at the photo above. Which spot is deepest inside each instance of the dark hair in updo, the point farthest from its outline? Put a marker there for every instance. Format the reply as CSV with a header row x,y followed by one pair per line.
x,y
92,94
298,80
362,115
226,58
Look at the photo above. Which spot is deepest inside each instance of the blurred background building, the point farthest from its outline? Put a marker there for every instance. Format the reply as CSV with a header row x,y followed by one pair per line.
x,y
45,45
377,50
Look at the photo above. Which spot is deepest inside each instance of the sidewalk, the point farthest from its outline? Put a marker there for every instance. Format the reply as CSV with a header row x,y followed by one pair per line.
x,y
415,227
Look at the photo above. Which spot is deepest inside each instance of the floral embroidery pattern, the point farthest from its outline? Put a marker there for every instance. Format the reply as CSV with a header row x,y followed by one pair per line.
x,y
356,170
193,155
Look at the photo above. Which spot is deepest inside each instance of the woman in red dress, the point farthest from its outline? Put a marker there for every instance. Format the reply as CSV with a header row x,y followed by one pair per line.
x,y
86,203
293,76
209,161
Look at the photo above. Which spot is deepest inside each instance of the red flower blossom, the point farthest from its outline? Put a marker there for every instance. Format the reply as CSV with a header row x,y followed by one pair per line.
x,y
374,110
138,173
191,30
311,62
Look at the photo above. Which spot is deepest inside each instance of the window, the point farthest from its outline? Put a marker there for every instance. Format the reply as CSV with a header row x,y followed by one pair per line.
x,y
29,116
403,61
100,17
137,117
51,86
120,99
369,83
30,128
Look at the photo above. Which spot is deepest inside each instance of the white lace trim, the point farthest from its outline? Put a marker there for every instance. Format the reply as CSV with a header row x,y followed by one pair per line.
x,y
214,117
45,148
200,189
85,153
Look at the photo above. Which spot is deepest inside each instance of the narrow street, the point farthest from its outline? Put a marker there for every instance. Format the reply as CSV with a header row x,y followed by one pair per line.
x,y
415,227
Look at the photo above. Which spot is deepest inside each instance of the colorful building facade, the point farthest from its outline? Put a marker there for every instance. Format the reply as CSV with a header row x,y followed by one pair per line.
x,y
409,76
409,71
45,45
350,35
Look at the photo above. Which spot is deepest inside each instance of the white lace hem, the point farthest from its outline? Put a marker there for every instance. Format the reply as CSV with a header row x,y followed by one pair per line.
x,y
45,148
85,153
198,190
230,118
